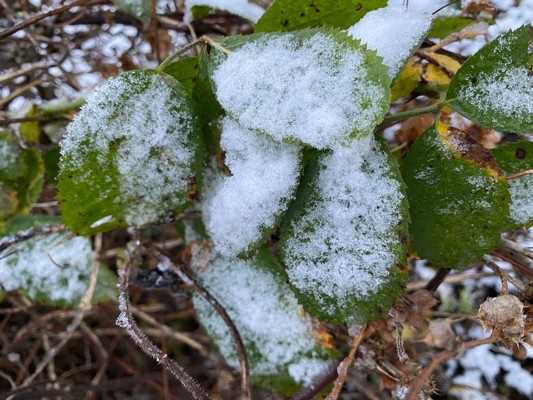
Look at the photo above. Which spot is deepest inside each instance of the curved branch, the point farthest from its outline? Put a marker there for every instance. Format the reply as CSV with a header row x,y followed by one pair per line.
x,y
125,320
237,340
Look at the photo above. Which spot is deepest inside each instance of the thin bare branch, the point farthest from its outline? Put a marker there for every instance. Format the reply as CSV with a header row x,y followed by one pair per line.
x,y
36,18
8,241
125,320
342,369
424,376
509,244
519,174
237,340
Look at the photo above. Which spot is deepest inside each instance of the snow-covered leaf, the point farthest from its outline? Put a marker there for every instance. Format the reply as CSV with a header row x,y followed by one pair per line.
x,y
280,340
459,204
52,269
290,15
141,9
513,158
317,87
242,8
131,155
242,210
345,247
21,177
494,87
395,32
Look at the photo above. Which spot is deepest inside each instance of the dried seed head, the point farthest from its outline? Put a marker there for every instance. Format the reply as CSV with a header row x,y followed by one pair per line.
x,y
504,313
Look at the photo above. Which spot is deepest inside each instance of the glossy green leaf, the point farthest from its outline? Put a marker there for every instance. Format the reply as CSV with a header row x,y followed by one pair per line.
x,y
185,71
317,87
141,9
131,155
280,340
21,177
514,158
494,88
458,203
289,15
344,242
51,269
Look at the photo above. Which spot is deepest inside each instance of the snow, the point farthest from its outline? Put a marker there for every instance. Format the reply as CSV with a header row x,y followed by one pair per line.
x,y
341,247
509,91
242,8
239,209
266,314
395,31
521,208
28,266
318,92
151,125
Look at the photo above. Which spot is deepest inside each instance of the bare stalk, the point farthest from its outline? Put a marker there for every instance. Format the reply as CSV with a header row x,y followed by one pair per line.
x,y
237,340
419,384
125,320
342,369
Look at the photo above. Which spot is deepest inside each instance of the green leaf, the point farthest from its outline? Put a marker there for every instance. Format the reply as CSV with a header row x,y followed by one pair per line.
x,y
289,15
317,87
141,9
185,71
131,156
51,269
30,131
280,340
514,158
458,202
443,26
345,247
51,164
494,88
21,177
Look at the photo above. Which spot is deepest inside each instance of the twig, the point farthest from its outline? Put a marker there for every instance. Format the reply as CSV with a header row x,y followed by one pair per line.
x,y
36,18
85,305
519,174
317,386
509,244
390,119
493,266
419,384
237,340
437,280
167,330
22,89
28,234
342,369
504,277
9,121
125,320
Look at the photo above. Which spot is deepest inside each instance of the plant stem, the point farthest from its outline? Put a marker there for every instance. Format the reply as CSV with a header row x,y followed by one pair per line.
x,y
202,40
61,107
390,119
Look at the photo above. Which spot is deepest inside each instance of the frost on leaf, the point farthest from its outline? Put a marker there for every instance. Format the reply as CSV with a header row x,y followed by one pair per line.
x,y
514,158
494,87
130,155
395,32
241,210
51,268
278,336
242,8
459,204
343,248
315,87
141,9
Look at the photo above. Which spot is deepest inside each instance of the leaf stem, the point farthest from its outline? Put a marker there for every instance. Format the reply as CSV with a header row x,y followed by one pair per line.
x,y
519,174
202,40
390,119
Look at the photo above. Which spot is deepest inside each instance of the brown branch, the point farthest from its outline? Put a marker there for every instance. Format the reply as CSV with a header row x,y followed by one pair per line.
x,y
519,174
419,384
236,337
125,320
36,18
8,241
509,244
317,386
342,369
436,281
